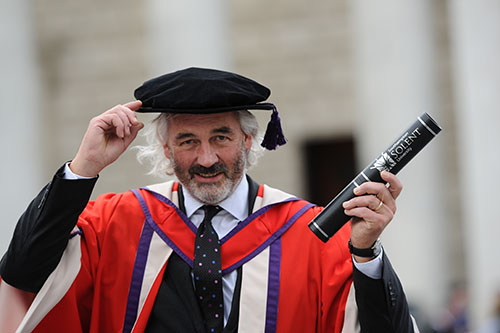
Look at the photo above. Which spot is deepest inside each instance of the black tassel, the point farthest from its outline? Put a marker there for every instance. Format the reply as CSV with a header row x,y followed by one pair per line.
x,y
274,133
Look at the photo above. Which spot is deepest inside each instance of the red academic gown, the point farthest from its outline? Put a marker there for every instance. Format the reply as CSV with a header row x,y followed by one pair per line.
x,y
111,270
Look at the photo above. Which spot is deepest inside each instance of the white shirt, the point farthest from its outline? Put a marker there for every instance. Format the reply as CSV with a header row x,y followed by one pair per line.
x,y
235,210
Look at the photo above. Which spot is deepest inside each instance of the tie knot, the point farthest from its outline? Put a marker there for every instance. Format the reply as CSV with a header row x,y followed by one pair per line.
x,y
210,212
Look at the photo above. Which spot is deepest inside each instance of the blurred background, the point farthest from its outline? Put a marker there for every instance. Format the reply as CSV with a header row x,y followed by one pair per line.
x,y
348,76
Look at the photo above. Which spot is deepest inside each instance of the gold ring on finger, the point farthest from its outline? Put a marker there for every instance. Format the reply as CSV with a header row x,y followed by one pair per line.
x,y
381,203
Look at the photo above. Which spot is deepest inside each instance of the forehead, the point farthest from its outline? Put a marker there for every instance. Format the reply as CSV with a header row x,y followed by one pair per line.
x,y
193,123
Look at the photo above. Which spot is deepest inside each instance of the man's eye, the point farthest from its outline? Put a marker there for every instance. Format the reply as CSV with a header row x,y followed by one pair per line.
x,y
221,138
186,142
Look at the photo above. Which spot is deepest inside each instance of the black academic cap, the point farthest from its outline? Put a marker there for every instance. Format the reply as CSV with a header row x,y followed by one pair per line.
x,y
202,91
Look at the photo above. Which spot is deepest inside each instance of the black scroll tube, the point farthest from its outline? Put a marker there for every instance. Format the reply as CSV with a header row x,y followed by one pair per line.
x,y
393,159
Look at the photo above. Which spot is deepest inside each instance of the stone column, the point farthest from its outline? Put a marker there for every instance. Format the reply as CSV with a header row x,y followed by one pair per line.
x,y
20,133
187,33
395,83
475,32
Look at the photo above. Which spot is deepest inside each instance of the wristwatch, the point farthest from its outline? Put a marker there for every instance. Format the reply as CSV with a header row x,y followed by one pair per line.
x,y
370,252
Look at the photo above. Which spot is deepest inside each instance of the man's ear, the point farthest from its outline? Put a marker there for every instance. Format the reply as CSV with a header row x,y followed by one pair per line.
x,y
248,142
166,151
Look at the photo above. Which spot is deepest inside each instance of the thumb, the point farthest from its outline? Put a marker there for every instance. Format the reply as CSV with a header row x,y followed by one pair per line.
x,y
134,105
134,130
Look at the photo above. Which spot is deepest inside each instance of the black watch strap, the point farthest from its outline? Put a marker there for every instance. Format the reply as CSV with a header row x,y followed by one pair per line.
x,y
370,252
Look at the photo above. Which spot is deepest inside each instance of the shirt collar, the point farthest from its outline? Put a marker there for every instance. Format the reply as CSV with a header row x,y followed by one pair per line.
x,y
236,204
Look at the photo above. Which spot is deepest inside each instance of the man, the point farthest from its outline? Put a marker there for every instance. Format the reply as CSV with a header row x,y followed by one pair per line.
x,y
212,252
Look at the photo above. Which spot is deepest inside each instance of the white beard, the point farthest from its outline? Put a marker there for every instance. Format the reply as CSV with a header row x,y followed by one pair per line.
x,y
213,194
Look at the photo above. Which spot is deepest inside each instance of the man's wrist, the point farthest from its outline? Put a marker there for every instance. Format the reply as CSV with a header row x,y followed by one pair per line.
x,y
370,252
70,174
83,168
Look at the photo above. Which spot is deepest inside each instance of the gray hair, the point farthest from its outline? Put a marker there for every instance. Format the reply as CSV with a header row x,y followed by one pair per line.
x,y
156,138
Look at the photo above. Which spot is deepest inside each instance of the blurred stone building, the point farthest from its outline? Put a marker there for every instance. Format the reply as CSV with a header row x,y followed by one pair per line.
x,y
347,77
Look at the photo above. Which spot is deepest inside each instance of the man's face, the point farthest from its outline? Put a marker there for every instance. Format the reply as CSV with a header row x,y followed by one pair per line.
x,y
208,154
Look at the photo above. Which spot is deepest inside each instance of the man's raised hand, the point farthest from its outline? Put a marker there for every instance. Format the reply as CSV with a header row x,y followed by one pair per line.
x,y
106,138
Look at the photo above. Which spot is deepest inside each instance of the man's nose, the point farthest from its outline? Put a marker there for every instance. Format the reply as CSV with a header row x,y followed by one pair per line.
x,y
207,155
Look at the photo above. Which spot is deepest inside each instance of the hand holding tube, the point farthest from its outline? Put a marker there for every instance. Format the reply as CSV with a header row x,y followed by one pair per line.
x,y
371,210
393,159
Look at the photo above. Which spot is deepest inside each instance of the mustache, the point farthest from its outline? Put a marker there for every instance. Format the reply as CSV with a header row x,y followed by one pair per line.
x,y
201,170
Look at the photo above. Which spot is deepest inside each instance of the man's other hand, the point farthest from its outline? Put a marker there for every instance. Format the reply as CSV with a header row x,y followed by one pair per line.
x,y
106,138
372,209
